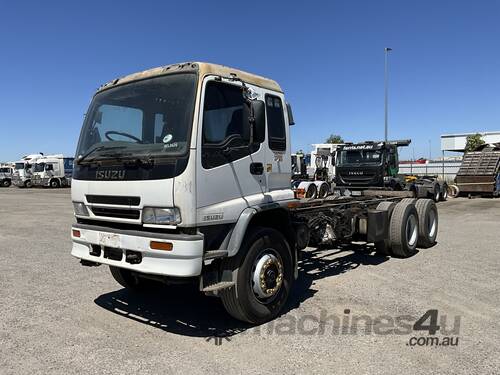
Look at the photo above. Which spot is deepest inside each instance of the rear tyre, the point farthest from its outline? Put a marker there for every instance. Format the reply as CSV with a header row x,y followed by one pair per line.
x,y
323,190
311,191
384,247
444,192
127,279
436,193
28,184
403,229
427,223
264,275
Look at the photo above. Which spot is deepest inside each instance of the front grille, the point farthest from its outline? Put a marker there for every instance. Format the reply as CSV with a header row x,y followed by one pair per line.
x,y
116,212
114,199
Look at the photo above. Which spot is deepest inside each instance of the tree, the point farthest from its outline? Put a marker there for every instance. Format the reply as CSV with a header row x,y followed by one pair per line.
x,y
334,138
473,142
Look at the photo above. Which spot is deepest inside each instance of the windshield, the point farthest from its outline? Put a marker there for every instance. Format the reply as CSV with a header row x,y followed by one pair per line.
x,y
19,165
38,167
149,118
358,157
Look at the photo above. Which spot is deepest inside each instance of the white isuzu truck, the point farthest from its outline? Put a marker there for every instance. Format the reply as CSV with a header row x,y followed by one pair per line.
x,y
182,173
52,171
21,176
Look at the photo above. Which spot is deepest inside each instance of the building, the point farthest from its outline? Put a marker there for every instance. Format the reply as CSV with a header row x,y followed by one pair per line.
x,y
456,142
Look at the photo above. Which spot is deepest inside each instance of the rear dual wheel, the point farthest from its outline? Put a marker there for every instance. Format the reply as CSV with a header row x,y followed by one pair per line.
x,y
428,222
403,229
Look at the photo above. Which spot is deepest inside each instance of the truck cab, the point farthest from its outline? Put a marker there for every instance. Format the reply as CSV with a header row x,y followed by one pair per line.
x,y
172,164
5,175
51,171
21,176
369,165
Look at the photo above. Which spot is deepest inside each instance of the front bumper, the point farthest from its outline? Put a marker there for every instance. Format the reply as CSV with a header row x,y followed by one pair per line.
x,y
184,260
17,181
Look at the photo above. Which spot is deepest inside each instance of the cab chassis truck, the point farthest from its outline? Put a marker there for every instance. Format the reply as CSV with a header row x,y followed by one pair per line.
x,y
194,185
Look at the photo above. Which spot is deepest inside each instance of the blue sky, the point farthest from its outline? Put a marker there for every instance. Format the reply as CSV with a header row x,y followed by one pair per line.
x,y
328,57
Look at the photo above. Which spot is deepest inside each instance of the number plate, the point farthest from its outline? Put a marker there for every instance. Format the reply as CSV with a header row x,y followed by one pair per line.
x,y
109,239
356,193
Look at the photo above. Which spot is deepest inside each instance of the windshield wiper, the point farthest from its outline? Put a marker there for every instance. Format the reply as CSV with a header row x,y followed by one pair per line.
x,y
88,153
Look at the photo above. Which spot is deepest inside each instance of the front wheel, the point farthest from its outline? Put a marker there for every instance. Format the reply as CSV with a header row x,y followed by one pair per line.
x,y
54,183
263,269
28,184
127,279
6,183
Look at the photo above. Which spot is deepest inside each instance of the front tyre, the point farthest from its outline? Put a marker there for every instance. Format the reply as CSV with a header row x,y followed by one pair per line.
x,y
263,270
54,183
127,279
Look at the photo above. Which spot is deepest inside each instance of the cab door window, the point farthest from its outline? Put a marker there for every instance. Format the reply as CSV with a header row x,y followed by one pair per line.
x,y
275,123
224,132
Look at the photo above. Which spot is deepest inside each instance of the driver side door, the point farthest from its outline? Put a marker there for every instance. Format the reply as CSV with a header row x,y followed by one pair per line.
x,y
230,172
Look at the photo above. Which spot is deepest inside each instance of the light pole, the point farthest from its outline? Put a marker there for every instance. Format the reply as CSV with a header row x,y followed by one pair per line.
x,y
386,81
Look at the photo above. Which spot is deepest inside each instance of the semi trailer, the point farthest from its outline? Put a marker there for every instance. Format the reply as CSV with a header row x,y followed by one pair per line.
x,y
182,174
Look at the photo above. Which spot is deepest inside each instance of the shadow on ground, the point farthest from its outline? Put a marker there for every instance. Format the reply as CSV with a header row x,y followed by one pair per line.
x,y
183,310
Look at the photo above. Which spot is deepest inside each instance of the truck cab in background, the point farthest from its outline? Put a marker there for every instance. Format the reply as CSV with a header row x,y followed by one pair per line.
x,y
375,165
369,165
21,176
5,175
52,171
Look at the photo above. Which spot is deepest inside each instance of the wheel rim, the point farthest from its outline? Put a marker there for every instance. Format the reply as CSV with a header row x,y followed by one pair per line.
x,y
432,223
411,230
267,275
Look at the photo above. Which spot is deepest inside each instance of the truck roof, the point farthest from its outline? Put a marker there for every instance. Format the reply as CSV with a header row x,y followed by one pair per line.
x,y
202,68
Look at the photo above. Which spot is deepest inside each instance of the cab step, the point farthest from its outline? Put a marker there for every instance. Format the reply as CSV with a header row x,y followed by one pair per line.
x,y
213,254
218,286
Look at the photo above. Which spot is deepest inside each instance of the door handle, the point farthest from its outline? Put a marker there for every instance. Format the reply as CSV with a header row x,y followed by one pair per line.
x,y
256,168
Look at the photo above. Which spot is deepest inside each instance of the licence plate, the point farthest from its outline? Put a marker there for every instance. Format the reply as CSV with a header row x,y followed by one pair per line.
x,y
356,193
109,239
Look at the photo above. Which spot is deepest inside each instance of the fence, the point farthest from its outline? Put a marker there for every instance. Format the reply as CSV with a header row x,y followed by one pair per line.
x,y
447,170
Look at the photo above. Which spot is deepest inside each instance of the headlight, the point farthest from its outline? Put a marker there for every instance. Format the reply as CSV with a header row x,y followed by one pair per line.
x,y
165,216
80,209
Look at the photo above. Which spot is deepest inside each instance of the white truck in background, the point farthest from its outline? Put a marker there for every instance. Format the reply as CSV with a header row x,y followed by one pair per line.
x,y
319,177
21,176
183,175
6,174
52,171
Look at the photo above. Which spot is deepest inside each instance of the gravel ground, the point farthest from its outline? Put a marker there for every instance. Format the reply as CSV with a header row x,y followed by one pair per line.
x,y
60,317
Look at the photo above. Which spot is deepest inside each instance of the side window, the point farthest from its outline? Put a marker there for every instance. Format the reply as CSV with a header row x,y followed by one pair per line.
x,y
275,123
223,127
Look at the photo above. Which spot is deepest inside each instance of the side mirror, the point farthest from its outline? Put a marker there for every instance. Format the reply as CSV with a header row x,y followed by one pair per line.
x,y
257,125
290,114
